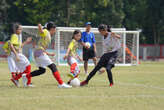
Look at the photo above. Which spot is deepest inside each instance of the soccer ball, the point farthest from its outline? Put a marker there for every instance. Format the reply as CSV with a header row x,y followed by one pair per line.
x,y
88,44
75,82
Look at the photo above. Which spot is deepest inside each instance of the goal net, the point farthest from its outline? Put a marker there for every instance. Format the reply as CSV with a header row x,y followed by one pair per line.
x,y
128,54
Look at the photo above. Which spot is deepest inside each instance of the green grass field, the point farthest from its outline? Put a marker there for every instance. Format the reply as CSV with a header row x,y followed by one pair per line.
x,y
136,88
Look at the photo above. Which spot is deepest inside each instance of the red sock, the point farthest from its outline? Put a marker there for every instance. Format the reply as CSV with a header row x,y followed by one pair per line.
x,y
28,75
73,66
27,72
13,74
18,76
57,77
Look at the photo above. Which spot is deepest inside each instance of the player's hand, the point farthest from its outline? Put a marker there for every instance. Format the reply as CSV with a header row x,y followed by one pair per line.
x,y
39,25
86,46
80,59
29,39
113,34
17,58
51,54
65,57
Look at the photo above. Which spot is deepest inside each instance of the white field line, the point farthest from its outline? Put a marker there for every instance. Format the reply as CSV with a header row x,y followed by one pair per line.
x,y
85,97
135,84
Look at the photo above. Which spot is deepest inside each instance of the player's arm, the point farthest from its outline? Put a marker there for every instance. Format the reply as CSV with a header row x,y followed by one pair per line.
x,y
49,54
115,35
79,58
14,50
82,41
67,53
94,44
28,40
40,28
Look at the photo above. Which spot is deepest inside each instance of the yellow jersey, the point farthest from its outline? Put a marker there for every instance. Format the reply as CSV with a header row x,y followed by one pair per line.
x,y
16,41
6,47
45,39
73,46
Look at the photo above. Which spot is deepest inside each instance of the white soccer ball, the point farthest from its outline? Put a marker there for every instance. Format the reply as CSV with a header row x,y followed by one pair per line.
x,y
75,82
88,44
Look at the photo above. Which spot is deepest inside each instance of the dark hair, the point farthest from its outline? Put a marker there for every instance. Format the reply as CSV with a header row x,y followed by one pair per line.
x,y
75,32
15,26
104,27
50,25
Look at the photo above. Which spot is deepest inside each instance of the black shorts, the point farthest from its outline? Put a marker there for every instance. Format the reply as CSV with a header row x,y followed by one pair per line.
x,y
108,59
88,53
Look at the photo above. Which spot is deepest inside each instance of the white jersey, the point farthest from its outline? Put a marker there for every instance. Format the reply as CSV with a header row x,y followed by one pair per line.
x,y
111,44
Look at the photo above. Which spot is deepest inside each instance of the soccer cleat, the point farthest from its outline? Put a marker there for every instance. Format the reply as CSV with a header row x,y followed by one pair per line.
x,y
64,86
30,85
16,82
24,80
83,83
111,84
71,75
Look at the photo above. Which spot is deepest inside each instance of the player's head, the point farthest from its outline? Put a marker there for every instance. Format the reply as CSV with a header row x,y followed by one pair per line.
x,y
51,27
104,29
16,28
76,35
88,26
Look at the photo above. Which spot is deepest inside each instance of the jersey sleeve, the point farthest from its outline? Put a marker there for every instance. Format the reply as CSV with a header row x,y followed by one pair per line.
x,y
44,34
14,39
71,45
5,46
93,39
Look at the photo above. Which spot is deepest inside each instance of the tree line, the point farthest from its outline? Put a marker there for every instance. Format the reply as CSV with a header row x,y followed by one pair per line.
x,y
147,15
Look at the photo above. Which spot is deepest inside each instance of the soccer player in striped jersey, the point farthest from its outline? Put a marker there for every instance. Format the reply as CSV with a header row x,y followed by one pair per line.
x,y
14,47
111,45
72,55
42,56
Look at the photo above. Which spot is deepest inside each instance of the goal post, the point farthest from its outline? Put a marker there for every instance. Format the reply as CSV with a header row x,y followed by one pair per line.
x,y
128,54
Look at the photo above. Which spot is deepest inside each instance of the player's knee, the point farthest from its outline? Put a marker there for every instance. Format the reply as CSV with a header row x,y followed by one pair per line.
x,y
53,67
42,70
108,67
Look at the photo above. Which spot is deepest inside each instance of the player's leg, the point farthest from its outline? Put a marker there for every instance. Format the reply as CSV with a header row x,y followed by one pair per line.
x,y
74,69
57,76
12,68
101,63
110,77
85,59
111,61
38,72
25,68
93,72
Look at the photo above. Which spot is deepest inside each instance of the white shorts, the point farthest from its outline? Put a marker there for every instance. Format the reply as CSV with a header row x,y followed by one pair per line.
x,y
11,63
43,61
71,60
23,63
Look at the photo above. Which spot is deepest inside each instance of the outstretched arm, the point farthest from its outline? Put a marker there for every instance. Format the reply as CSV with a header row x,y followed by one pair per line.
x,y
28,40
66,55
40,28
115,35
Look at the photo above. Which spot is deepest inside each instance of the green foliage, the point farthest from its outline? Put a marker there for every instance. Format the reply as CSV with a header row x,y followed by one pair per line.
x,y
147,15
